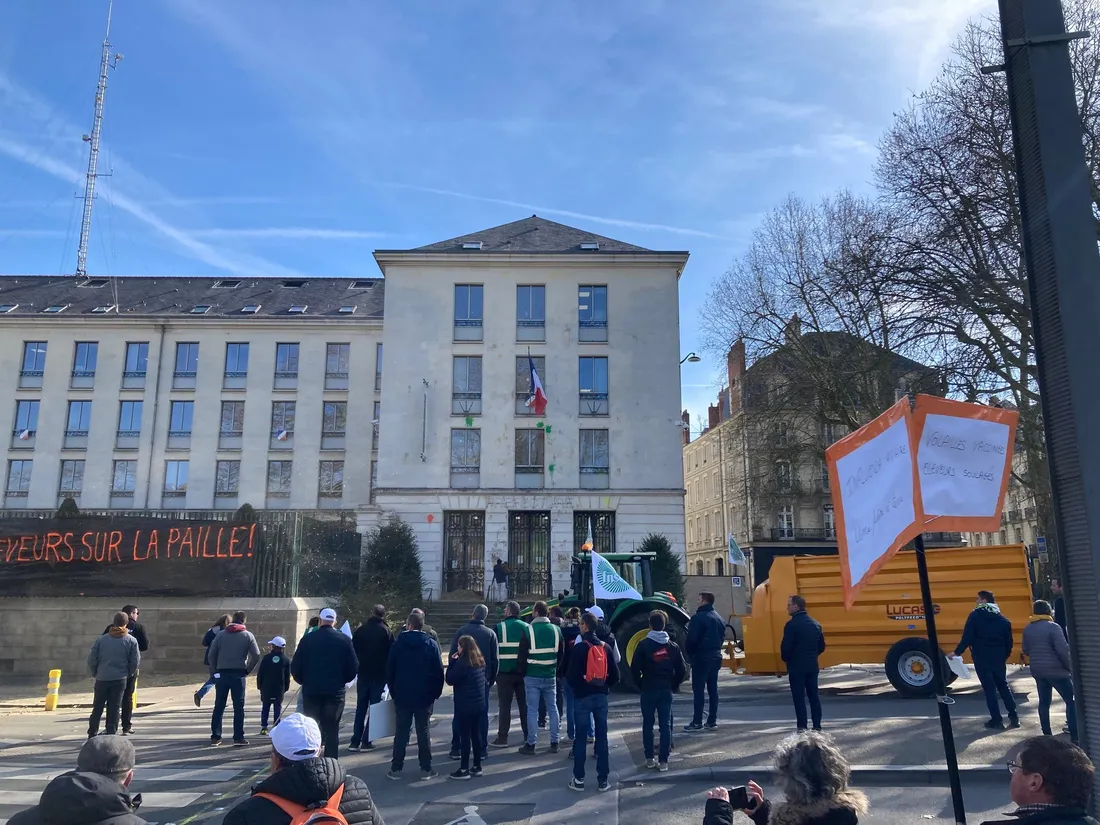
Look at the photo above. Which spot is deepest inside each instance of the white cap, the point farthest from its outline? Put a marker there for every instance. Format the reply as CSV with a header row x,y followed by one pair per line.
x,y
596,611
328,615
278,641
296,737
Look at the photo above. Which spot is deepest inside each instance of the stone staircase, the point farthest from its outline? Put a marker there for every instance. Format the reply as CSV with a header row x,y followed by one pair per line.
x,y
448,615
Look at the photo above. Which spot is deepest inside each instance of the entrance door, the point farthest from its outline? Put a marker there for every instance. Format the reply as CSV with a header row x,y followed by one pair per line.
x,y
464,551
529,553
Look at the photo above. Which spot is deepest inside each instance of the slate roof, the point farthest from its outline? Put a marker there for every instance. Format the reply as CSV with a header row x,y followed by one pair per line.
x,y
531,235
177,297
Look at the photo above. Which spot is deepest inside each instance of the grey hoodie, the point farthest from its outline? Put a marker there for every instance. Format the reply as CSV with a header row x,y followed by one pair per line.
x,y
234,648
114,656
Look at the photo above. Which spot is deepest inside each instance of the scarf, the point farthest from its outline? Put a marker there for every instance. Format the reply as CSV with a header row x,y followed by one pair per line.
x,y
989,607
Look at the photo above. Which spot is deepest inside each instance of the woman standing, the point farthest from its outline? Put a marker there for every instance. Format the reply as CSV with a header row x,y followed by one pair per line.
x,y
466,674
207,640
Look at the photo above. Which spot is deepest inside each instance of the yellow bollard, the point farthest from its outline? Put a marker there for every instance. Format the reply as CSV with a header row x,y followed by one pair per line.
x,y
52,687
133,705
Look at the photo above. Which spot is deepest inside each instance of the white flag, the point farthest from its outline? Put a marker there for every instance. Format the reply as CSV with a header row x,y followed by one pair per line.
x,y
345,628
607,584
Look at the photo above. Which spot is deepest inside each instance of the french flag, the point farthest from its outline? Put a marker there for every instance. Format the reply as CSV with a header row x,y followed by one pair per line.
x,y
537,401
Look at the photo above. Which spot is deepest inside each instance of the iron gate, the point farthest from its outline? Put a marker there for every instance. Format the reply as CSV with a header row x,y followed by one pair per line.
x,y
602,525
529,553
464,551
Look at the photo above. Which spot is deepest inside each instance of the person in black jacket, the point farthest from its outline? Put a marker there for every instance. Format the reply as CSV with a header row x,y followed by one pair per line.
x,y
1059,605
802,643
372,641
137,630
658,670
466,673
414,673
323,665
705,640
1051,784
988,634
487,645
300,778
273,681
590,700
207,640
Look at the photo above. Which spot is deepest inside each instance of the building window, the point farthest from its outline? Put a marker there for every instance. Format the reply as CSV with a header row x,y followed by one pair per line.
x,y
719,566
279,475
782,434
334,425
595,459
783,476
180,418
524,402
828,520
19,478
698,568
593,386
824,477
282,425
708,567
187,366
236,367
123,478
1004,537
977,539
465,458
34,364
378,368
137,364
530,458
286,366
466,394
72,478
375,422
706,528
25,431
592,313
77,425
691,531
330,479
227,479
85,355
1019,535
531,313
469,312
128,435
784,522
175,477
337,366
231,431
601,525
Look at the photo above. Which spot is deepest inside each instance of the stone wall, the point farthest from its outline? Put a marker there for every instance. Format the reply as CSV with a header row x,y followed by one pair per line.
x,y
41,634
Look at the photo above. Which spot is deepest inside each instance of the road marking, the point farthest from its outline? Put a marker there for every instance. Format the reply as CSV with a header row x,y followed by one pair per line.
x,y
194,775
148,800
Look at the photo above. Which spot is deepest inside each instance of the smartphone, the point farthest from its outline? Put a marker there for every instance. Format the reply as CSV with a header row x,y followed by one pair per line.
x,y
739,797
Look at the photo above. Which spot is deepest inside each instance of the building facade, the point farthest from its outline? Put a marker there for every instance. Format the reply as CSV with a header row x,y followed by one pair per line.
x,y
466,458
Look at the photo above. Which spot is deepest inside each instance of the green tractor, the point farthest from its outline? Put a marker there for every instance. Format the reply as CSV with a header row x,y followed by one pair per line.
x,y
627,618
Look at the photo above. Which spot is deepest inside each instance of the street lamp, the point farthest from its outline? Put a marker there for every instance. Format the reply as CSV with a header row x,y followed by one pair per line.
x,y
692,357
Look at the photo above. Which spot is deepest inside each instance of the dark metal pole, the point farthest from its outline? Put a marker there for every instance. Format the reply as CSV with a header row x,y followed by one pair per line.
x,y
943,702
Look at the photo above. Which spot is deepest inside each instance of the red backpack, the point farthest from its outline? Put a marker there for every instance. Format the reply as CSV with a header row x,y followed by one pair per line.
x,y
595,668
301,815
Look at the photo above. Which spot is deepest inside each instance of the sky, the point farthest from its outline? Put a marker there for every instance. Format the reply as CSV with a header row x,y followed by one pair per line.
x,y
294,137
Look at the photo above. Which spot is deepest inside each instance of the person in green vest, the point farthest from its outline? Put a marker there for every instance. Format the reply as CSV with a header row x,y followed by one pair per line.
x,y
540,652
510,675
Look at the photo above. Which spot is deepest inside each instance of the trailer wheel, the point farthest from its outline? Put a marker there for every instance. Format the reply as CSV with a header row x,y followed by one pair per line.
x,y
909,667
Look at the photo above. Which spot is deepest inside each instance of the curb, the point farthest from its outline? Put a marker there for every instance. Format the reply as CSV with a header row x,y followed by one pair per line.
x,y
900,774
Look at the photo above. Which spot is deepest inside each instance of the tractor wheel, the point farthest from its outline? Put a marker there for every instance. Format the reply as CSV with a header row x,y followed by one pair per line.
x,y
628,634
909,668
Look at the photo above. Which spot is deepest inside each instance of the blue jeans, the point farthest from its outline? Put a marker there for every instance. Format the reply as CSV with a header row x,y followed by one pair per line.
x,y
483,728
230,683
367,693
1045,688
547,689
591,707
704,677
207,686
570,724
657,703
804,689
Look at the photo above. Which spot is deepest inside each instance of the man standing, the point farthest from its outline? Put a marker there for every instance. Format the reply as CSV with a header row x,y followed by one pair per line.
x,y
323,665
414,673
988,634
706,637
112,660
540,650
1059,606
233,654
372,641
803,641
487,642
510,675
591,673
500,580
1051,784
137,630
1048,655
658,670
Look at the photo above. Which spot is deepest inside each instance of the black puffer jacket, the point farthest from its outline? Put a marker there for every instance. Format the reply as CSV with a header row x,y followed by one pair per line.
x,y
78,798
310,782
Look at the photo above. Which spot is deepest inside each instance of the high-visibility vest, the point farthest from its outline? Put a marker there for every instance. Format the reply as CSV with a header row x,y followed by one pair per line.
x,y
542,658
508,635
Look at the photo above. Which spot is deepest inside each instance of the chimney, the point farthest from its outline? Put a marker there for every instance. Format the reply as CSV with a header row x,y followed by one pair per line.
x,y
793,331
714,416
685,416
735,369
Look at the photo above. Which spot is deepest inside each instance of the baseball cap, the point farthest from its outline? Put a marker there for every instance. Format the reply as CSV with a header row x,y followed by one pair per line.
x,y
296,737
278,641
328,615
596,611
107,755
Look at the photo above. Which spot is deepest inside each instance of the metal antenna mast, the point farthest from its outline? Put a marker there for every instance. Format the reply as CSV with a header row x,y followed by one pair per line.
x,y
106,61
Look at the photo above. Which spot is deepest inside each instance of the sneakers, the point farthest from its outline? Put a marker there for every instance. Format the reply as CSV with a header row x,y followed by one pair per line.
x,y
367,746
995,724
476,772
554,747
662,767
526,750
1014,721
499,742
198,699
354,748
394,775
459,774
651,763
603,785
576,784
263,731
711,726
214,742
127,731
591,740
240,743
693,728
428,774
454,756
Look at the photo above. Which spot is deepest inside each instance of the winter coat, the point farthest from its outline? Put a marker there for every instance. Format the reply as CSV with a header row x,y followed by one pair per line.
x,y
706,635
486,640
372,641
469,685
308,782
114,657
604,634
658,663
208,640
137,630
1060,614
414,671
844,809
234,648
273,675
570,633
1054,815
1046,649
80,798
802,643
578,664
324,663
988,634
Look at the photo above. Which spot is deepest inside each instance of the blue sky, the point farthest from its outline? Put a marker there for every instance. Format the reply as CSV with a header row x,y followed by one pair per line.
x,y
269,137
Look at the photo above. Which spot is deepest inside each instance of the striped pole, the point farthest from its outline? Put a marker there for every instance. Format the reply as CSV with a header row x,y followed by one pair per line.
x,y
52,688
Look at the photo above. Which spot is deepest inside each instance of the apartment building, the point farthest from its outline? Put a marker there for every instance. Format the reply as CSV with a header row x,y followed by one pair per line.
x,y
196,393
469,459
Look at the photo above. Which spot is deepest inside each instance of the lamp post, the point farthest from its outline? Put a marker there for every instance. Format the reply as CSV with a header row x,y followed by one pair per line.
x,y
692,357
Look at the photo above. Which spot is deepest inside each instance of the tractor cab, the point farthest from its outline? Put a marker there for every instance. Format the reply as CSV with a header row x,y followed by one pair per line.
x,y
633,567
